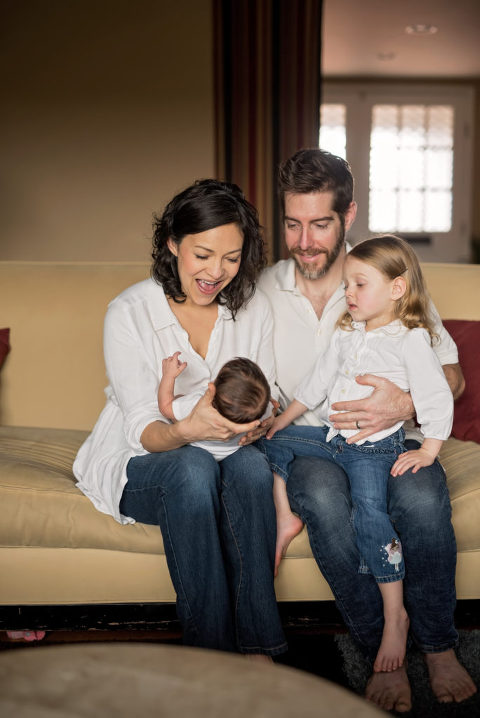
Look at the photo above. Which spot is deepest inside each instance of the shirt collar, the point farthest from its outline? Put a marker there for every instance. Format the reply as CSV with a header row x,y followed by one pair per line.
x,y
161,313
394,327
285,274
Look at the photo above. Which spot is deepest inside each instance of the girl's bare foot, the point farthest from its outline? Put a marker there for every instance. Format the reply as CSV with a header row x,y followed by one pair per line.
x,y
390,691
391,653
449,680
288,526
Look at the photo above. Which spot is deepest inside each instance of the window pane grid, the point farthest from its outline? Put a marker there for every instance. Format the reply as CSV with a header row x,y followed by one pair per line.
x,y
411,168
333,136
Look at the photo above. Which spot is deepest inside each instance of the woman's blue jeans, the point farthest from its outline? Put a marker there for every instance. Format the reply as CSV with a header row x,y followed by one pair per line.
x,y
219,527
368,468
419,506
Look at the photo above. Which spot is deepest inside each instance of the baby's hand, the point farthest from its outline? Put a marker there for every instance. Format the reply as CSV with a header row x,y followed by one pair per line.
x,y
414,460
172,366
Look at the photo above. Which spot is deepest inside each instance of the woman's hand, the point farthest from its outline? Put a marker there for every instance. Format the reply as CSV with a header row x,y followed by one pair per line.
x,y
206,424
262,428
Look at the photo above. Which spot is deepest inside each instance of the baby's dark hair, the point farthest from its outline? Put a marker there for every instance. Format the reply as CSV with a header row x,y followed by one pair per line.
x,y
242,391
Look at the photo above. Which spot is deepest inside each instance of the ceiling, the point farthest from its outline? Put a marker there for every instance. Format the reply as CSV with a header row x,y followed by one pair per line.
x,y
367,38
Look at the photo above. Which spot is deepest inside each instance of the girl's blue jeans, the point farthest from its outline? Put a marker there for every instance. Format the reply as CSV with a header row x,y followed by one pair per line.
x,y
419,507
368,468
219,527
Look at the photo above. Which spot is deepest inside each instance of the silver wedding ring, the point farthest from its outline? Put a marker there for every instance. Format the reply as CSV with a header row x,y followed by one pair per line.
x,y
358,425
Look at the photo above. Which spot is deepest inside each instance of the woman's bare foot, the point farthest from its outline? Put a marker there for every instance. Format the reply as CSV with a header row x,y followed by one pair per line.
x,y
391,653
288,526
390,691
449,680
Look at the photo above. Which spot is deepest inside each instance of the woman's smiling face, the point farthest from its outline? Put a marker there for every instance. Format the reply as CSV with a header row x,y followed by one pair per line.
x,y
208,261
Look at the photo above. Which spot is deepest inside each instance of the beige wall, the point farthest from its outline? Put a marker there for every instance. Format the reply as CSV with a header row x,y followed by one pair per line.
x,y
107,112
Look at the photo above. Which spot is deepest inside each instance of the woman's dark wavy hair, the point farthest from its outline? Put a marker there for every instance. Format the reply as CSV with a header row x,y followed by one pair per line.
x,y
204,205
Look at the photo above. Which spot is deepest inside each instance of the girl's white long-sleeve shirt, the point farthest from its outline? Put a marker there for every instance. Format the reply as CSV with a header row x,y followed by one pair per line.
x,y
404,356
300,336
140,331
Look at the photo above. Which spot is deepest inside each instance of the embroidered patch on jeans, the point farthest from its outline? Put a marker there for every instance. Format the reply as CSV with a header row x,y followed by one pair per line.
x,y
394,552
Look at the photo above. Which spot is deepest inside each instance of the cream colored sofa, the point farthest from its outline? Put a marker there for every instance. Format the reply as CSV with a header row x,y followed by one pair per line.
x,y
55,548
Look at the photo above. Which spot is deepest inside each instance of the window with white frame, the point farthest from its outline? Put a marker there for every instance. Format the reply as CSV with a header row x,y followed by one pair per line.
x,y
410,155
411,168
333,136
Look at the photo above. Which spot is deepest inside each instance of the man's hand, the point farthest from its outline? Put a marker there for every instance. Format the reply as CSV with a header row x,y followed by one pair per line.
x,y
262,429
382,409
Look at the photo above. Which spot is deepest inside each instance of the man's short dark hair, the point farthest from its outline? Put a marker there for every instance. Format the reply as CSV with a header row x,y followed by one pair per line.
x,y
316,170
242,391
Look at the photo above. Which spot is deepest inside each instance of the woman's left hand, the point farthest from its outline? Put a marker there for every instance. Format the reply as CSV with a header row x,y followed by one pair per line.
x,y
262,429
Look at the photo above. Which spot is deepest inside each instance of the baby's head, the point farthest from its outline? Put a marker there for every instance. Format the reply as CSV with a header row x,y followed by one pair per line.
x,y
242,392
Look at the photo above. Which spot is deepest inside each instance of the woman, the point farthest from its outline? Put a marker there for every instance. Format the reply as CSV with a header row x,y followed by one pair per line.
x,y
217,521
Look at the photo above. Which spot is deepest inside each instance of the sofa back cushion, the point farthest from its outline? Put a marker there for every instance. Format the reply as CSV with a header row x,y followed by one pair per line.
x,y
55,376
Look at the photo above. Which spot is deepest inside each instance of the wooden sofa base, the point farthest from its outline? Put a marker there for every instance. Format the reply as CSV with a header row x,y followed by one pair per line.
x,y
297,616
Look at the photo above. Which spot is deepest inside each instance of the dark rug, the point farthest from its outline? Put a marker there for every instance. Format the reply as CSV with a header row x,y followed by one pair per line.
x,y
425,705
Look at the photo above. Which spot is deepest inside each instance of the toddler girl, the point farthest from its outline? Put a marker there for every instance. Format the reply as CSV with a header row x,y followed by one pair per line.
x,y
386,331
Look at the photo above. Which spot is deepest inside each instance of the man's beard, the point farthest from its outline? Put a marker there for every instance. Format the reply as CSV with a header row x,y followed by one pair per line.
x,y
310,272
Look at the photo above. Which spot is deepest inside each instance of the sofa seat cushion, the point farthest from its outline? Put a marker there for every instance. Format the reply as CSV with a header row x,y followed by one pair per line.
x,y
461,461
41,506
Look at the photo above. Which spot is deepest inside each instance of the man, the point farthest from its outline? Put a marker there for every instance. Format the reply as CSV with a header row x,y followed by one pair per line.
x,y
307,297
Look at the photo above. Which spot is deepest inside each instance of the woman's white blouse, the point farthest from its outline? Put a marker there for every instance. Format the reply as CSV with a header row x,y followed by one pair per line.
x,y
404,356
140,331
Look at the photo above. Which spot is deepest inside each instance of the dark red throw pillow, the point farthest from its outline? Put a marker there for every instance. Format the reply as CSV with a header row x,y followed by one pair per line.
x,y
466,335
4,344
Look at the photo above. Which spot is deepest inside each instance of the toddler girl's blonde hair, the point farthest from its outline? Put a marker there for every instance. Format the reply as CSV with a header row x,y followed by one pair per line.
x,y
394,257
